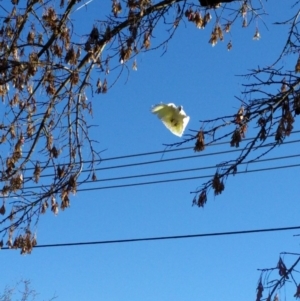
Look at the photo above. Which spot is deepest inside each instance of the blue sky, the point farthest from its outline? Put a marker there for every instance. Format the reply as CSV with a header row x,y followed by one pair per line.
x,y
202,79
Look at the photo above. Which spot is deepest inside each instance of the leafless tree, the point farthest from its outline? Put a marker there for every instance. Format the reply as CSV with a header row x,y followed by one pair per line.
x,y
270,104
46,71
20,291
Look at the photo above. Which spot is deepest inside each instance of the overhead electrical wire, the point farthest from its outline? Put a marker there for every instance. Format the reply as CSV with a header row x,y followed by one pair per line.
x,y
185,179
191,169
156,238
183,157
179,149
175,150
176,171
167,160
169,172
166,181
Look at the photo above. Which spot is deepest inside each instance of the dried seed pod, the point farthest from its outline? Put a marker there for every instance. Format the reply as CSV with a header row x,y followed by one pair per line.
x,y
57,50
280,131
213,39
72,184
262,121
99,86
16,182
189,13
240,115
94,35
263,134
65,202
229,46
2,209
74,79
50,89
5,190
146,43
227,27
30,129
297,294
116,7
15,100
198,20
54,205
94,177
37,172
54,152
104,87
71,57
219,32
243,130
30,37
236,138
49,142
200,144
256,35
206,19
125,54
244,9
202,199
134,65
217,184
12,132
60,171
283,271
44,207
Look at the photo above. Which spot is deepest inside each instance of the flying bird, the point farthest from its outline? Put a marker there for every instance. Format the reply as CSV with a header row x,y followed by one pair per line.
x,y
173,117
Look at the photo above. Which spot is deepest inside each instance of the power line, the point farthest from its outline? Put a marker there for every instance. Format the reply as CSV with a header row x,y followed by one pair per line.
x,y
166,160
173,171
166,181
168,172
180,149
185,179
167,151
190,169
130,240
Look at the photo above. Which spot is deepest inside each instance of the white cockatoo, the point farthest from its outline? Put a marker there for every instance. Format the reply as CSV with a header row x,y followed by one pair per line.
x,y
173,117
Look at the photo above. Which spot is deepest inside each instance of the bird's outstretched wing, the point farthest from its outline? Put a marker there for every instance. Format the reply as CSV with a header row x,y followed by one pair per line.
x,y
174,118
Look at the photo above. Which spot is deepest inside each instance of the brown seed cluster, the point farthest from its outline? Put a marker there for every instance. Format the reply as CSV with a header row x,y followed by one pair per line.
x,y
217,34
241,129
101,87
217,184
25,242
116,7
297,294
200,144
196,18
263,132
285,125
201,200
282,269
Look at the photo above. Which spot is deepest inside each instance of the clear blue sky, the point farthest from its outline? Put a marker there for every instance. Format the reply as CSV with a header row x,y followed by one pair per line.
x,y
202,79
